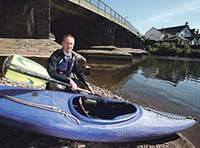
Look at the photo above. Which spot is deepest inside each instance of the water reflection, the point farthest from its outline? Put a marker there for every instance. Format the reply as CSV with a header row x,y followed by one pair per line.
x,y
172,79
110,74
168,84
171,69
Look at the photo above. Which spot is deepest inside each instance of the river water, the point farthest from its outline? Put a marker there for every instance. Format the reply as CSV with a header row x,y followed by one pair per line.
x,y
164,83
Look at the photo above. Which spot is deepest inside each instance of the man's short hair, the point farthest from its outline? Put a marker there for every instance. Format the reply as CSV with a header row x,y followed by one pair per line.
x,y
68,35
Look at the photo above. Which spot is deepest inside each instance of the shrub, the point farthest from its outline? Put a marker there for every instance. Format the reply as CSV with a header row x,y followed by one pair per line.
x,y
171,49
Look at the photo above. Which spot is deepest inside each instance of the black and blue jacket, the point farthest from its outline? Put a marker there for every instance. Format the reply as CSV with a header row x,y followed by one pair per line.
x,y
60,67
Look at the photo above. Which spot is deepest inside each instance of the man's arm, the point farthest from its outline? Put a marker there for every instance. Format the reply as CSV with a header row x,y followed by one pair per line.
x,y
80,74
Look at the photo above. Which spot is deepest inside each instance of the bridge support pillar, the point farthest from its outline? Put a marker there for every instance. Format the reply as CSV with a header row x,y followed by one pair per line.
x,y
24,19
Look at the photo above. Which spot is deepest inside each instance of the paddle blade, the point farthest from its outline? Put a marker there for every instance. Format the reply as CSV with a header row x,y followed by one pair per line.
x,y
24,70
23,78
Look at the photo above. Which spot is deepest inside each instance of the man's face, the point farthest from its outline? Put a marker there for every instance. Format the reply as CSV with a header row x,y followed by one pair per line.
x,y
68,44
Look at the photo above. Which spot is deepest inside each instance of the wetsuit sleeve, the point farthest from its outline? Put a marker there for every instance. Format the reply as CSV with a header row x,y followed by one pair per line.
x,y
52,67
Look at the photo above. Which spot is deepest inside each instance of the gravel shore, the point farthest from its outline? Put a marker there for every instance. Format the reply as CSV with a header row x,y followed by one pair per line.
x,y
11,137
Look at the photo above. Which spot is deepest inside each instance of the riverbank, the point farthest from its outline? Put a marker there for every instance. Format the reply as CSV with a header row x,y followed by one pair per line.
x,y
16,138
44,48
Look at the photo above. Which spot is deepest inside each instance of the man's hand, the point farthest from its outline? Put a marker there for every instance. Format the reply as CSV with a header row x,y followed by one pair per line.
x,y
91,90
73,85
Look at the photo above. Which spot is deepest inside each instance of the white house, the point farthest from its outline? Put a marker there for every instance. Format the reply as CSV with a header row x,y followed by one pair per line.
x,y
195,40
168,34
153,34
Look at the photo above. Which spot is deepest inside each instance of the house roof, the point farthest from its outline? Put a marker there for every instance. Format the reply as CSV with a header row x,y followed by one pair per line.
x,y
190,38
197,36
152,28
173,29
192,31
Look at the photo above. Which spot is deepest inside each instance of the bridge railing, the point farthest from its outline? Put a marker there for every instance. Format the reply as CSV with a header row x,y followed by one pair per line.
x,y
104,7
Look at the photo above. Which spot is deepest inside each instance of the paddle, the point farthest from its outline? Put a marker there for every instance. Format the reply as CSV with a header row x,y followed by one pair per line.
x,y
26,71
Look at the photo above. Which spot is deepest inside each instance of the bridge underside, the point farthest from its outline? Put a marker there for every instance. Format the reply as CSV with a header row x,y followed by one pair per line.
x,y
88,28
39,18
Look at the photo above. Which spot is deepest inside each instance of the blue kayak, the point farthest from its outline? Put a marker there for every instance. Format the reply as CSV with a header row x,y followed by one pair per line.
x,y
85,117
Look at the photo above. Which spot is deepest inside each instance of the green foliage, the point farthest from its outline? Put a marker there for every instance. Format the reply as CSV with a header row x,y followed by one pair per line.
x,y
151,49
179,50
171,49
186,49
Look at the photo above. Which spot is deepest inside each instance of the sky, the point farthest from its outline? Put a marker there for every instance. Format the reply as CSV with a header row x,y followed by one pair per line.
x,y
145,14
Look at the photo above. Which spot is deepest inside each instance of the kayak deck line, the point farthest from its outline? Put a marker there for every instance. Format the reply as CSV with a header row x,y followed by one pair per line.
x,y
164,114
41,106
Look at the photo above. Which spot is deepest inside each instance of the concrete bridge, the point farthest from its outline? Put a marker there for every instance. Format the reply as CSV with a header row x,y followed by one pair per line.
x,y
92,22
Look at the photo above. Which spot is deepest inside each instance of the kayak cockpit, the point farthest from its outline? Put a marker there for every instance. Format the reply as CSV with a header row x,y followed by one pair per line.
x,y
96,109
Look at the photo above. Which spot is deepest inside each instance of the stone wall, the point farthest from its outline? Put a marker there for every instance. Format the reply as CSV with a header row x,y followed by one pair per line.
x,y
24,18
